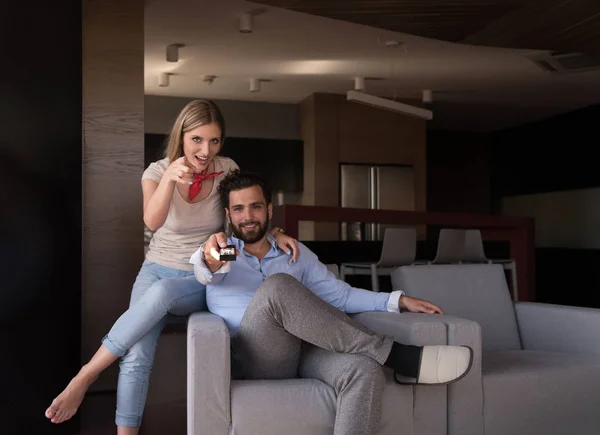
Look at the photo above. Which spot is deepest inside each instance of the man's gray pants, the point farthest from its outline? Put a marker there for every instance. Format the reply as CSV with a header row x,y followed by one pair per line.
x,y
287,331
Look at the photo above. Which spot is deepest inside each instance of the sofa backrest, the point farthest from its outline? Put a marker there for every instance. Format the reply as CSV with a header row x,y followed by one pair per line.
x,y
476,292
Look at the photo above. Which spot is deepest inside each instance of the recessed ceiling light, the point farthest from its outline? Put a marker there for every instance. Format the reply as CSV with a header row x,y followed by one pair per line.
x,y
392,43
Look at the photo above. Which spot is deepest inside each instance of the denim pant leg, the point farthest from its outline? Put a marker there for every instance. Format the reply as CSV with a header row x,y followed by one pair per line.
x,y
134,377
179,296
137,331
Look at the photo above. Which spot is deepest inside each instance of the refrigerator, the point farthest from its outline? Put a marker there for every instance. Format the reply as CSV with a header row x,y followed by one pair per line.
x,y
384,187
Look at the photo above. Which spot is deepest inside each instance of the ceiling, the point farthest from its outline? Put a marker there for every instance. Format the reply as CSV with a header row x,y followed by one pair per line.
x,y
295,54
561,25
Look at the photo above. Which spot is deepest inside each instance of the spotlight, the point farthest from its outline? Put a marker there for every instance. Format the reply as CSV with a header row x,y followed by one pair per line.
x,y
163,79
254,85
246,23
173,52
359,83
427,96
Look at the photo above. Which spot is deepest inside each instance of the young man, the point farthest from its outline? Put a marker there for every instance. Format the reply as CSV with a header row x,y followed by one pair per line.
x,y
287,319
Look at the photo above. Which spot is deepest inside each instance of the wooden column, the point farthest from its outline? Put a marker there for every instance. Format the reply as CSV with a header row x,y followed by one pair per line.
x,y
113,160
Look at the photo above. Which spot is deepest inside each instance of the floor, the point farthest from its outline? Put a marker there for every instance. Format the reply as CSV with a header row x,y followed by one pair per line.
x,y
98,414
165,411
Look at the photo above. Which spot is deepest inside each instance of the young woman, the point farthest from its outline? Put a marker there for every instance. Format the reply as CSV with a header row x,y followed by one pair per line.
x,y
182,206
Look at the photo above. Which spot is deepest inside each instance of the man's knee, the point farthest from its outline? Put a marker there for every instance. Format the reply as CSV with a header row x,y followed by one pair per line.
x,y
277,285
280,279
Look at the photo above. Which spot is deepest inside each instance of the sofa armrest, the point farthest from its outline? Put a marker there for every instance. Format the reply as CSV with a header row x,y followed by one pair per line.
x,y
462,403
208,375
426,329
406,328
423,329
464,407
558,328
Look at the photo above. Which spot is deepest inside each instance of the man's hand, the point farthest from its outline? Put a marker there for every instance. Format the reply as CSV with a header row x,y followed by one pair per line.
x,y
211,251
415,305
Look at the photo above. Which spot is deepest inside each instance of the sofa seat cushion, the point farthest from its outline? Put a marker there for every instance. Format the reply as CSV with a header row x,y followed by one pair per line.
x,y
282,406
526,392
307,406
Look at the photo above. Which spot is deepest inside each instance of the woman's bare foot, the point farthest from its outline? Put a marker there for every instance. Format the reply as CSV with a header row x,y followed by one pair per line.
x,y
66,404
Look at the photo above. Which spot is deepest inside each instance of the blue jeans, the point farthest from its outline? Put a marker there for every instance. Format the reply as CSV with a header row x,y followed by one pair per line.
x,y
158,293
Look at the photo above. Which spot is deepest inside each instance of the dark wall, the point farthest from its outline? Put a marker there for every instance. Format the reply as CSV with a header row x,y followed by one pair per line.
x,y
554,155
458,173
550,155
281,162
154,145
40,216
468,172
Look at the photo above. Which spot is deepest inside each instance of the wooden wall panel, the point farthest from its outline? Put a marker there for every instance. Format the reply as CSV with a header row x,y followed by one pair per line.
x,y
327,145
374,135
371,135
337,131
307,131
113,161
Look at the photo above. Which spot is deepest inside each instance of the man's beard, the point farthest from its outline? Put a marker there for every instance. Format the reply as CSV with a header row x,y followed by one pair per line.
x,y
250,237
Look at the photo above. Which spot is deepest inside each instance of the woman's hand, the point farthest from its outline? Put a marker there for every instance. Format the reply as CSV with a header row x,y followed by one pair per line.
x,y
287,243
180,172
157,196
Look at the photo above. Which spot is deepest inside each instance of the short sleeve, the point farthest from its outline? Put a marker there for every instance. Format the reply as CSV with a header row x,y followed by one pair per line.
x,y
232,166
156,170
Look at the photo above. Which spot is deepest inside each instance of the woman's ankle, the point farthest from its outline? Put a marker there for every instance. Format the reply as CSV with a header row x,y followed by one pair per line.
x,y
87,375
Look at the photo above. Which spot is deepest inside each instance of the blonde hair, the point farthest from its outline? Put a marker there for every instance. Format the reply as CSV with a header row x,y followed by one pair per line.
x,y
194,114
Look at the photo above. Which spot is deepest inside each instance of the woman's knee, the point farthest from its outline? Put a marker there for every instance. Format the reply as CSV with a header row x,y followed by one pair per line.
x,y
162,293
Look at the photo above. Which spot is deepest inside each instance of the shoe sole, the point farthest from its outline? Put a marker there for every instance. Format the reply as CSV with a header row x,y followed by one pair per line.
x,y
440,383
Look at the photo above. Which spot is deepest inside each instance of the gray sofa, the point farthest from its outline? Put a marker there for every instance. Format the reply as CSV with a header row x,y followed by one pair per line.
x,y
540,371
218,405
